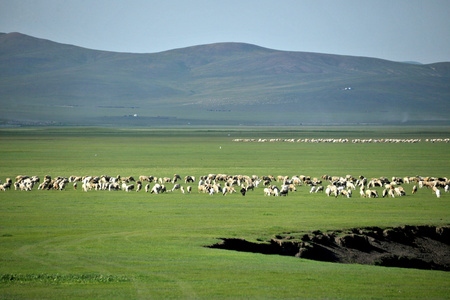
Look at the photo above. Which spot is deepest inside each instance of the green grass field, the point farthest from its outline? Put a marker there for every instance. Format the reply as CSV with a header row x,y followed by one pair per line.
x,y
115,245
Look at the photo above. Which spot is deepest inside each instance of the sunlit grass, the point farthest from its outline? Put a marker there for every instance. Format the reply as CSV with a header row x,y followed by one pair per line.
x,y
151,246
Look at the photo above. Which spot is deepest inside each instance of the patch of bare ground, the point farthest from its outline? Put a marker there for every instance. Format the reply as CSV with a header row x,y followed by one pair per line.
x,y
419,247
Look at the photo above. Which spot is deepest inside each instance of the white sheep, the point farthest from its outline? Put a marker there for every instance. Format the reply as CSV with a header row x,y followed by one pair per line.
x,y
212,190
319,189
62,185
224,190
176,187
114,186
138,186
156,189
438,193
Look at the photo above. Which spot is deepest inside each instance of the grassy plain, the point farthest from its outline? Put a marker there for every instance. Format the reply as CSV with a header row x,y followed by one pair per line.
x,y
72,244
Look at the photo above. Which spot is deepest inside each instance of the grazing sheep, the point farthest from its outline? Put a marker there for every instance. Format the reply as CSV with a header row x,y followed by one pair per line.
x,y
217,188
282,178
62,184
375,183
144,178
284,190
24,185
268,179
129,188
44,185
361,182
176,187
114,187
35,179
350,185
20,178
271,191
231,190
292,188
331,189
138,185
188,179
434,189
85,186
391,193
211,190
175,178
225,184
127,179
371,193
7,184
346,193
275,190
105,178
257,182
399,191
438,193
319,189
225,190
164,180
250,186
202,188
56,184
156,189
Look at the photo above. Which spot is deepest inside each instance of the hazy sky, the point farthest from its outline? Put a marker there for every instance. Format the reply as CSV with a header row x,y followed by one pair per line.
x,y
399,30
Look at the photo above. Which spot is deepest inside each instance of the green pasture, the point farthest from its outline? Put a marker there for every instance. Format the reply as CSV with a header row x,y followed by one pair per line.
x,y
136,245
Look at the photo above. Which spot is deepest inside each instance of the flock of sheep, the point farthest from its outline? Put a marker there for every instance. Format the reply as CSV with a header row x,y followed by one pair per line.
x,y
228,184
354,141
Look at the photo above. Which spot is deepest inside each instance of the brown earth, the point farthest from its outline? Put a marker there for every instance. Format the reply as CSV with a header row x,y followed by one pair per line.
x,y
420,247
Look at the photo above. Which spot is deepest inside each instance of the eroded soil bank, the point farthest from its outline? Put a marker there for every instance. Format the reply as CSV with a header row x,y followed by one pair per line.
x,y
420,247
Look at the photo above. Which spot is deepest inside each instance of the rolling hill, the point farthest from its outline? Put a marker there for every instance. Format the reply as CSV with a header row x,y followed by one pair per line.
x,y
43,82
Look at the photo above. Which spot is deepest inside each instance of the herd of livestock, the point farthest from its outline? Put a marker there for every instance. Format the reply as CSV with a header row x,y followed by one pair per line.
x,y
345,140
227,184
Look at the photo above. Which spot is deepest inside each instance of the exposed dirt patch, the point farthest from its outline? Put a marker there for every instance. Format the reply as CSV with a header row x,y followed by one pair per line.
x,y
420,247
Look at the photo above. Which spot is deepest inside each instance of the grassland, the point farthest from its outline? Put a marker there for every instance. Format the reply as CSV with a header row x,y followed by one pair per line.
x,y
72,244
43,82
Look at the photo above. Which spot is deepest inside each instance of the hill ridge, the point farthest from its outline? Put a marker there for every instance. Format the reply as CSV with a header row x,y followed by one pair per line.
x,y
220,83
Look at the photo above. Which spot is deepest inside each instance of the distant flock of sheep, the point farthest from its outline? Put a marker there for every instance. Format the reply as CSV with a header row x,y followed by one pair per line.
x,y
354,141
227,184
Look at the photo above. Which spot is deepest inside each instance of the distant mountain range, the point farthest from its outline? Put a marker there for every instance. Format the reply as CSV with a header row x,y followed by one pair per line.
x,y
43,83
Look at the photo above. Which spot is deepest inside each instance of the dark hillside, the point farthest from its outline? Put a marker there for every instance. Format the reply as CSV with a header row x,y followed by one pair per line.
x,y
223,83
